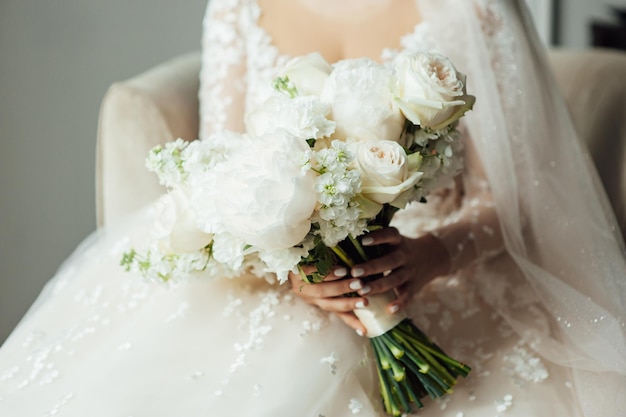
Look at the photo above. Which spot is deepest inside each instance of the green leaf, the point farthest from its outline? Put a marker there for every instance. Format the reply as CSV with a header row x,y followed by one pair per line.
x,y
323,258
128,258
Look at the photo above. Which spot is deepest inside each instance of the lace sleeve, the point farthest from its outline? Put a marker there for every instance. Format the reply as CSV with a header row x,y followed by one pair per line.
x,y
222,77
472,232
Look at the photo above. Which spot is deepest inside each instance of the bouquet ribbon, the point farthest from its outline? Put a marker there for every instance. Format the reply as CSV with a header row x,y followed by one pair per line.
x,y
375,317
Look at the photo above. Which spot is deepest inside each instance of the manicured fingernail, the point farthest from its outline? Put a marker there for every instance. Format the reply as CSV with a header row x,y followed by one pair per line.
x,y
365,290
359,332
356,285
366,241
357,272
394,308
360,304
340,272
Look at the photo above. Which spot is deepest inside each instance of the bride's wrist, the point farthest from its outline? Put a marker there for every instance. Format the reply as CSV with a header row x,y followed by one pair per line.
x,y
441,256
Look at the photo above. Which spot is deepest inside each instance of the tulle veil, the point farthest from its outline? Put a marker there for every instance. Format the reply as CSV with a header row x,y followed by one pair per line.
x,y
564,258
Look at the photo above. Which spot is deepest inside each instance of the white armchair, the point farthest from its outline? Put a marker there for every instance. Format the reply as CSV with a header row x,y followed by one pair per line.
x,y
152,108
162,104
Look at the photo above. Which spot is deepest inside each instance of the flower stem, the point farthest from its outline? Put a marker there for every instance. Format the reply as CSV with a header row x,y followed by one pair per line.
x,y
343,256
457,366
359,248
385,389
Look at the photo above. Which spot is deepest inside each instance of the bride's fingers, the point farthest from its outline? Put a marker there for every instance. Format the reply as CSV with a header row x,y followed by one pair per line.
x,y
403,293
340,304
327,289
351,320
393,280
337,273
389,235
394,259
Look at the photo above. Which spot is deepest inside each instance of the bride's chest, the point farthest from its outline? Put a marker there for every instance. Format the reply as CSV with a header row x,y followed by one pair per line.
x,y
336,30
268,50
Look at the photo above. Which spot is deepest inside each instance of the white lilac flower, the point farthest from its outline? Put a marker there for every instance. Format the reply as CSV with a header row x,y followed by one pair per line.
x,y
167,163
334,231
326,188
156,265
333,159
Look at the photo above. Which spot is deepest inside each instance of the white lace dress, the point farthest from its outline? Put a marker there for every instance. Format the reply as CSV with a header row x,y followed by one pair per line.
x,y
102,342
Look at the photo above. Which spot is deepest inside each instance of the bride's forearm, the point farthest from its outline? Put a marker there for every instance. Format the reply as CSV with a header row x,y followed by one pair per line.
x,y
472,234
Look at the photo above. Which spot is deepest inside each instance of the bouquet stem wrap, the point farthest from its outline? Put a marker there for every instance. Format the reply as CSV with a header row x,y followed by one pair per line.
x,y
375,317
409,365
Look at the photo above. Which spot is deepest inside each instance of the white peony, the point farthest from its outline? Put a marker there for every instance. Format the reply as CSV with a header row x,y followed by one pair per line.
x,y
282,261
385,173
304,117
202,155
229,250
429,90
266,196
361,101
308,73
175,225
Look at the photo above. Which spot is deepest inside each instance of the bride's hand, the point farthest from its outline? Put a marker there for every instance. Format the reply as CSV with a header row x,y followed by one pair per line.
x,y
408,265
329,295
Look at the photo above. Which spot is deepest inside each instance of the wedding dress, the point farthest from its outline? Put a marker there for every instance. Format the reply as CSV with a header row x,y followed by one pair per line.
x,y
539,316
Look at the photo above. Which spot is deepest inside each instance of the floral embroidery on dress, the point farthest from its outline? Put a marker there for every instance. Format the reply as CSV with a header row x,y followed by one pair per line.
x,y
222,84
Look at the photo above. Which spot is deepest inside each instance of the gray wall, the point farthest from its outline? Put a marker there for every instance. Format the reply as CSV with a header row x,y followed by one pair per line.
x,y
575,16
57,59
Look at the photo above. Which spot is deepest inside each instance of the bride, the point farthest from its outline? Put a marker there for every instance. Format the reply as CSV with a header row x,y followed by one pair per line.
x,y
516,269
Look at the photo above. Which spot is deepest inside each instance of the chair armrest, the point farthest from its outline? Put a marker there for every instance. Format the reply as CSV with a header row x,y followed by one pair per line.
x,y
152,108
593,85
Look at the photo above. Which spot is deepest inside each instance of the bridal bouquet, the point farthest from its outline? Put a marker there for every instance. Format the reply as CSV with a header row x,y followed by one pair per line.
x,y
331,155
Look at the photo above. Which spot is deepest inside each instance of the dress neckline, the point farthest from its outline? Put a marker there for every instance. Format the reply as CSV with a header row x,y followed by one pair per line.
x,y
383,56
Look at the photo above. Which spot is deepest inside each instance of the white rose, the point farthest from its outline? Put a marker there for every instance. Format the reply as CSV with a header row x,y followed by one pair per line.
x,y
175,225
266,196
429,90
385,173
308,73
304,117
362,104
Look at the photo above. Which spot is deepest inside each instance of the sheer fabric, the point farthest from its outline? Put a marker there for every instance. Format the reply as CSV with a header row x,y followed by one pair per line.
x,y
564,259
537,313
